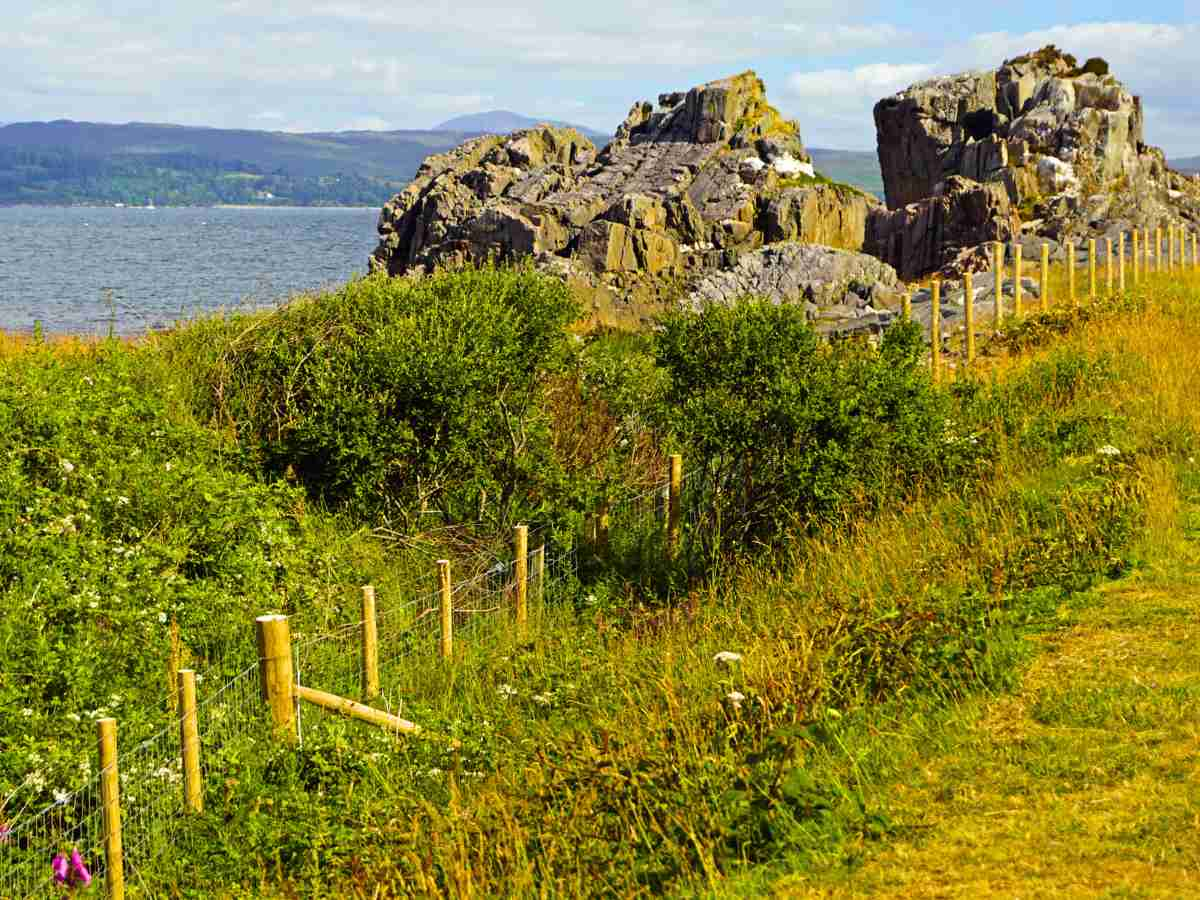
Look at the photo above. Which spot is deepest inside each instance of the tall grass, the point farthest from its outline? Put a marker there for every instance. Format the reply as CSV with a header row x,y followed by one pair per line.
x,y
609,753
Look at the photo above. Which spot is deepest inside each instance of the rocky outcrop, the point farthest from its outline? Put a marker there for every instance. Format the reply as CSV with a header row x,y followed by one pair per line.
x,y
1064,142
999,125
837,286
685,189
932,234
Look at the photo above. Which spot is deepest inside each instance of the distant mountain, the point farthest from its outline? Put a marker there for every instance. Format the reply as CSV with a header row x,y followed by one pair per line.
x,y
67,162
1190,165
857,167
502,121
384,154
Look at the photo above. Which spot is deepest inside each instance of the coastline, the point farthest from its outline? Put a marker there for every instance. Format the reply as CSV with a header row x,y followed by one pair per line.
x,y
181,206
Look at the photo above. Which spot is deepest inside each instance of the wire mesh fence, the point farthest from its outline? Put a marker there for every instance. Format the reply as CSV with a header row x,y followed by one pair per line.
x,y
232,716
31,839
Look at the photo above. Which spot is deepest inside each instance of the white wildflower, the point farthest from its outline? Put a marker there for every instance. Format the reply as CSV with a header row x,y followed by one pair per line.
x,y
74,717
727,658
168,467
60,797
27,712
735,699
506,690
162,618
1109,450
122,501
541,699
67,466
93,604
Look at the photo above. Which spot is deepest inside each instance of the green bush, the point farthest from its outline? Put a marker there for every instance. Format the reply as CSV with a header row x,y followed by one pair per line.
x,y
117,516
399,396
785,429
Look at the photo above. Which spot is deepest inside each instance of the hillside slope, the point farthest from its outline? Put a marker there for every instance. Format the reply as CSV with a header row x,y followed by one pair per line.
x,y
65,162
502,121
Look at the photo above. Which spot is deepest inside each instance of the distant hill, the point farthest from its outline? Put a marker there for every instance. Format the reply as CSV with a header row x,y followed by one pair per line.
x,y
502,121
1190,165
385,154
67,162
857,167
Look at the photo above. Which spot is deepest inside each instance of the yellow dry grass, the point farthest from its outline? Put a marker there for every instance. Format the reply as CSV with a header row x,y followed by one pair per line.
x,y
1085,782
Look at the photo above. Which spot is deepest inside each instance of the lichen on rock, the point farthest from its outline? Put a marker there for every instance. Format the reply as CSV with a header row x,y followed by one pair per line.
x,y
686,187
1064,142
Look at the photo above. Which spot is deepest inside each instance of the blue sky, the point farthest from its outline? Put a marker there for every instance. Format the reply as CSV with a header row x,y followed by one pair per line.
x,y
342,64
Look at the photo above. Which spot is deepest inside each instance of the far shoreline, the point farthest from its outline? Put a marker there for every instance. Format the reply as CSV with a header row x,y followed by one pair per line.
x,y
180,206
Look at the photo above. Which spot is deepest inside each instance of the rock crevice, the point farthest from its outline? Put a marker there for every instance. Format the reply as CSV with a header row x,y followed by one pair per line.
x,y
686,187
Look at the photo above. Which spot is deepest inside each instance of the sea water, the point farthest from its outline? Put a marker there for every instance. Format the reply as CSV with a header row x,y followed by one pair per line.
x,y
93,270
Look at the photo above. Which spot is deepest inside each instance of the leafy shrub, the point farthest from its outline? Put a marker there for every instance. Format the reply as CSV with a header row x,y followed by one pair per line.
x,y
399,396
117,516
786,429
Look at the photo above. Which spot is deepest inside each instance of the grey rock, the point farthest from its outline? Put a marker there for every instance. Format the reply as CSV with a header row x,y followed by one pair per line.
x,y
1066,145
793,273
686,188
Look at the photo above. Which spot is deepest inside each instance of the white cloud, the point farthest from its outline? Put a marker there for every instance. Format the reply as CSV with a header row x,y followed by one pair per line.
x,y
367,123
1154,60
834,105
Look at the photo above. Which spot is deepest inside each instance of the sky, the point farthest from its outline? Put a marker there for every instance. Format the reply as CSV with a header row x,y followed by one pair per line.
x,y
328,65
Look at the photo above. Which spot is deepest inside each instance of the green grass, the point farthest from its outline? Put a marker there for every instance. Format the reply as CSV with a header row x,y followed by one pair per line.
x,y
939,679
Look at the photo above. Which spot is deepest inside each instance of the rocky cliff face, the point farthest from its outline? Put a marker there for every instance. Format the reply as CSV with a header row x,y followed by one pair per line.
x,y
1064,143
685,188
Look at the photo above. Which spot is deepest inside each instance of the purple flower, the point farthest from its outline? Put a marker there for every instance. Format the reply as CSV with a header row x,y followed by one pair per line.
x,y
59,865
79,872
5,832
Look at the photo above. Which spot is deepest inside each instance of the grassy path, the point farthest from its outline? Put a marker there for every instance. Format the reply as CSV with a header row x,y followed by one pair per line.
x,y
1083,783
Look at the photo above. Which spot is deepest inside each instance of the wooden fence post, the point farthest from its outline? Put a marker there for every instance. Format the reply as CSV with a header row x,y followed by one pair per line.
x,y
1045,288
969,313
276,677
521,568
1108,266
1121,262
935,329
446,595
1147,252
370,644
1091,270
173,665
189,742
538,575
1137,263
1158,249
1074,300
1018,287
110,800
675,486
906,306
603,521
998,271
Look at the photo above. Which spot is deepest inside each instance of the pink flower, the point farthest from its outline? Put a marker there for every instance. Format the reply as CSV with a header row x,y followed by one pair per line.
x,y
79,872
59,865
5,832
